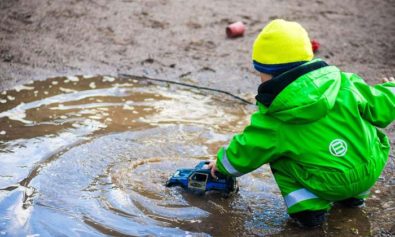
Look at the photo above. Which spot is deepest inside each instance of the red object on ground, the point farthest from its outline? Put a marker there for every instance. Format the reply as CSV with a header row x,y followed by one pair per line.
x,y
315,45
235,29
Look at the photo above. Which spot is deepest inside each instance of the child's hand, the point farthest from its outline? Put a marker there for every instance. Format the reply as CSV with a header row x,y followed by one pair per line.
x,y
388,79
213,166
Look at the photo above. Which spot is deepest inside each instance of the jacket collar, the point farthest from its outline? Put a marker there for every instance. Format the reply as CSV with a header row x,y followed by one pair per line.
x,y
268,90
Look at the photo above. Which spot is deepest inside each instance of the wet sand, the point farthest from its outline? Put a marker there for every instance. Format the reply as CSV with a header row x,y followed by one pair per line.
x,y
183,41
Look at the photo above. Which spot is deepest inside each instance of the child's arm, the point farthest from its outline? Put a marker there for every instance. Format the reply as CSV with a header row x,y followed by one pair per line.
x,y
377,103
246,152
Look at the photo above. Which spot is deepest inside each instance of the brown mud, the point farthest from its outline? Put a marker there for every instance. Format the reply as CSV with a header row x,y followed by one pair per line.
x,y
180,41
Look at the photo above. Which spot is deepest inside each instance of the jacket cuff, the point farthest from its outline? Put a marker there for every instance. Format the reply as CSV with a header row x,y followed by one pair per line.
x,y
224,166
390,86
219,165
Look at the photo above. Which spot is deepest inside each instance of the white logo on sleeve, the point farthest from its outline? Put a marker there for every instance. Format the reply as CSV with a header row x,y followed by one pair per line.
x,y
338,147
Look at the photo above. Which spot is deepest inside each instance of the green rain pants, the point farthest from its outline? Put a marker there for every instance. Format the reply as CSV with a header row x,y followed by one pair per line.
x,y
312,190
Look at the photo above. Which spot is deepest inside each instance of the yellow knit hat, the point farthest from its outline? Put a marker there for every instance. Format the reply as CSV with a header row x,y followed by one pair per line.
x,y
282,42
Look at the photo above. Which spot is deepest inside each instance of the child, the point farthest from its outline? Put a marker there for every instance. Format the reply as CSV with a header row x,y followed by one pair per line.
x,y
316,126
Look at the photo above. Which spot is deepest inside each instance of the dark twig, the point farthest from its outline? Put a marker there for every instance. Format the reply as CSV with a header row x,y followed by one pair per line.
x,y
184,84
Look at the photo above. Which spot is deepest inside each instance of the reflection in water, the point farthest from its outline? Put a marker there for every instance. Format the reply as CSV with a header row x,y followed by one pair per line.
x,y
90,156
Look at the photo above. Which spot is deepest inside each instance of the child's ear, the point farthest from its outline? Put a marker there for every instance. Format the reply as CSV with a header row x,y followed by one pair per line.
x,y
265,77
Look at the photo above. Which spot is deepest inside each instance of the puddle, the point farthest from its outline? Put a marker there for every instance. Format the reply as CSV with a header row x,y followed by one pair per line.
x,y
89,156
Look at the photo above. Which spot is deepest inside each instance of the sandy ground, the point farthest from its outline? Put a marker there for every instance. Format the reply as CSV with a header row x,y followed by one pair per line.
x,y
185,41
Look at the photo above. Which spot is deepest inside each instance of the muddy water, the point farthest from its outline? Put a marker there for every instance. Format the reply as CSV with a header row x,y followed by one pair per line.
x,y
89,156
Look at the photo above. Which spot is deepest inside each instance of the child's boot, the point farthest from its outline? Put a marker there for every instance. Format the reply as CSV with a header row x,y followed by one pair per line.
x,y
352,202
309,219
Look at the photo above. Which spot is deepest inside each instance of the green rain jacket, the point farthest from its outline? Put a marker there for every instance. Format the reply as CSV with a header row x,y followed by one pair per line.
x,y
317,117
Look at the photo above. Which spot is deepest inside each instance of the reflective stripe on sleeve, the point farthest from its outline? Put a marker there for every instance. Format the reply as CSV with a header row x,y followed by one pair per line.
x,y
392,89
228,166
298,196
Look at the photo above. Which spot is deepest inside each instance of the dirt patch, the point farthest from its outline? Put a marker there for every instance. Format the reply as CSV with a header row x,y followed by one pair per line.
x,y
41,39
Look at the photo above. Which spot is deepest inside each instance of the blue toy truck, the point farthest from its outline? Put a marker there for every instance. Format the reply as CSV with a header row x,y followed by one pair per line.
x,y
199,180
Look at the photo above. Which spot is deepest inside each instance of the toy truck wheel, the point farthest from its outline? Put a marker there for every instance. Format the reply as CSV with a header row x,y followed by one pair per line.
x,y
233,187
170,184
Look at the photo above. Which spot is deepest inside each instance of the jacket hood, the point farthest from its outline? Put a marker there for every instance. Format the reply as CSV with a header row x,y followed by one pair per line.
x,y
302,95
